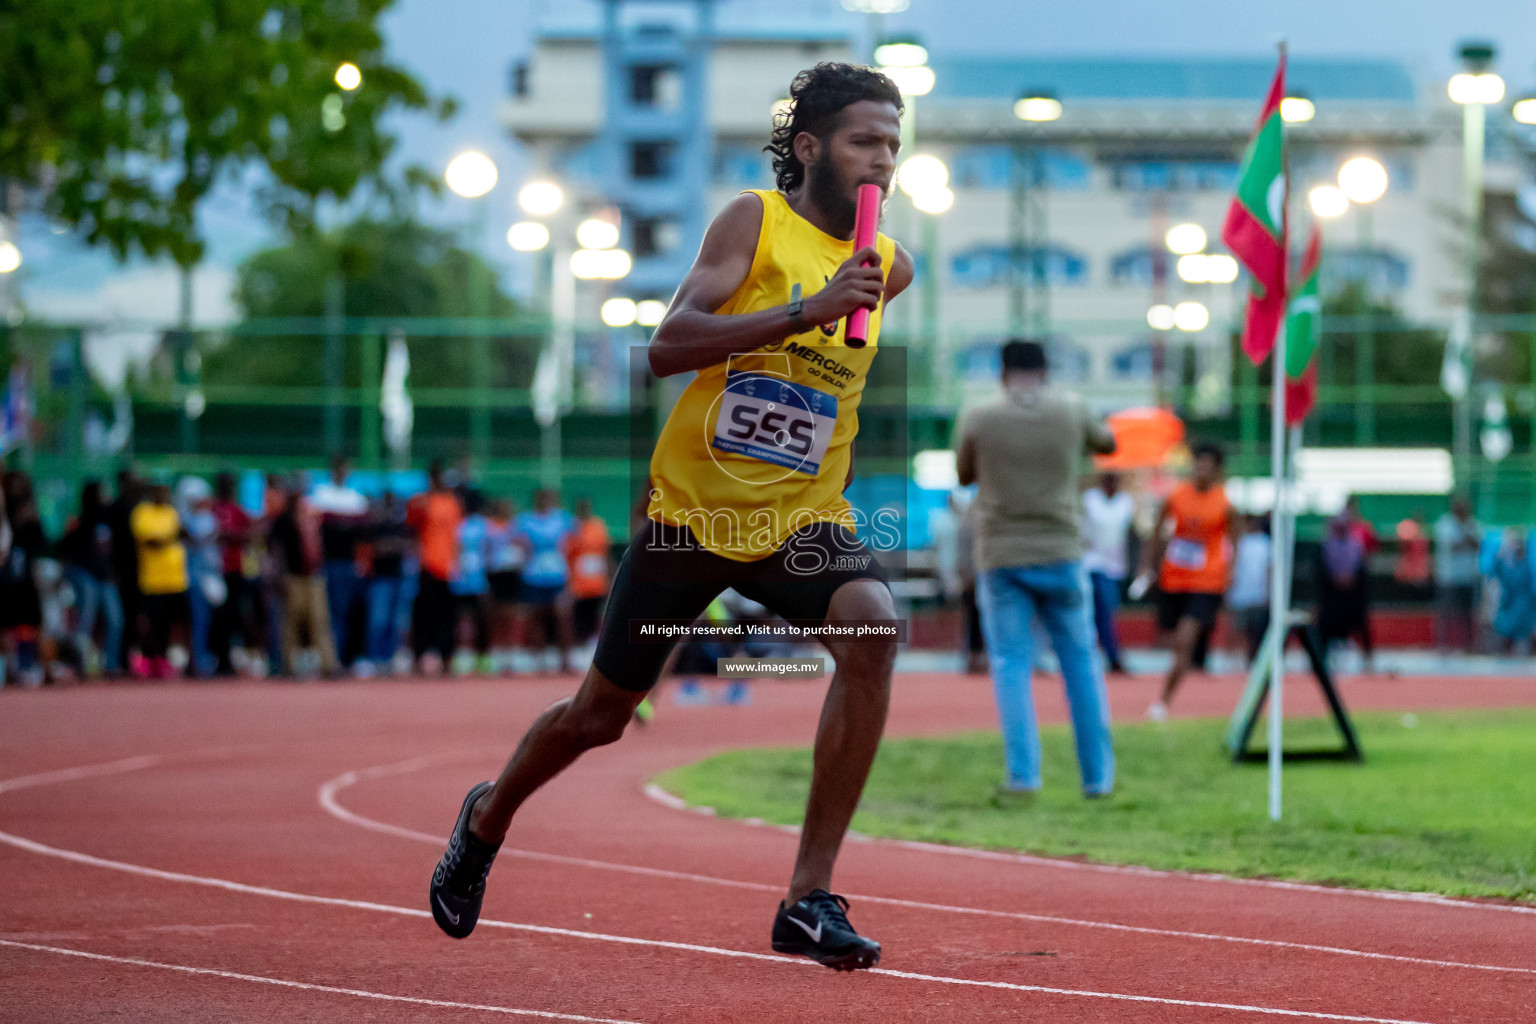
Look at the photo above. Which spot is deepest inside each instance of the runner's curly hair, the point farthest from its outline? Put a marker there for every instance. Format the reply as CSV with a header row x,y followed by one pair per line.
x,y
817,98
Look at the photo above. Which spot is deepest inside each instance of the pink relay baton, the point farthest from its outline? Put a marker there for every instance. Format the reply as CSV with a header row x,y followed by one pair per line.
x,y
866,224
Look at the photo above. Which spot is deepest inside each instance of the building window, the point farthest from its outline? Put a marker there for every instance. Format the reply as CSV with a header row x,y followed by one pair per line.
x,y
1174,175
1380,270
742,167
653,236
987,266
1142,266
650,160
519,82
1068,362
1134,362
654,85
992,167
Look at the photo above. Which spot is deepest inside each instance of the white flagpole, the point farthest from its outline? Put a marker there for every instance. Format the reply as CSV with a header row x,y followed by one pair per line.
x,y
1279,561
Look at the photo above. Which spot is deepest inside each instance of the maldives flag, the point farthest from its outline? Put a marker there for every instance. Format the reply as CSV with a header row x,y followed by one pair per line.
x,y
1255,226
1303,330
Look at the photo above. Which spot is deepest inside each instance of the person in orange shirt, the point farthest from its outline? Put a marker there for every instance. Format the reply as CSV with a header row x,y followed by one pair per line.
x,y
587,552
435,517
1190,549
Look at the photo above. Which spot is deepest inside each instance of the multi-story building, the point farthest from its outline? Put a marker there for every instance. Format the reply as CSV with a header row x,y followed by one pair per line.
x,y
1057,227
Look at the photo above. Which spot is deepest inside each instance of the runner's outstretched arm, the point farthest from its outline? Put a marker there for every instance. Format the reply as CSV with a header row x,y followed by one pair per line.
x,y
693,336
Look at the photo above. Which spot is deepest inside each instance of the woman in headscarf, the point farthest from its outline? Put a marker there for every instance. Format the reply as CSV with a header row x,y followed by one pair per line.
x,y
1516,616
1342,601
194,506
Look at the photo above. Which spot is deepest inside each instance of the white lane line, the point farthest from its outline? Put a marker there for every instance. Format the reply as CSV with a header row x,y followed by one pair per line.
x,y
686,947
89,771
674,802
309,987
327,799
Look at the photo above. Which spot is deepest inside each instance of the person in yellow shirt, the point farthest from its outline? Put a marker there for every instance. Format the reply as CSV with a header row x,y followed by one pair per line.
x,y
748,477
157,536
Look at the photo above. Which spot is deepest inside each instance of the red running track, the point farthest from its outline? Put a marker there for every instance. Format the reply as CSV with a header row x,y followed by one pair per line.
x,y
252,852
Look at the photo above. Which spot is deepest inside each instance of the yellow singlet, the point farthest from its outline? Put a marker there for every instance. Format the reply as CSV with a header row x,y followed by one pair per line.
x,y
758,447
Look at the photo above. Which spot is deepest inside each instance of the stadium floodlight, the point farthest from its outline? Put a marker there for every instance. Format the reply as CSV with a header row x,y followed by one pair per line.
x,y
781,107
876,6
1327,201
1524,110
1185,238
540,198
905,52
597,233
1363,179
619,312
471,174
935,200
1297,109
922,173
918,81
348,76
1037,105
600,264
10,257
1220,268
1160,317
528,236
1485,88
649,312
1194,268
1191,316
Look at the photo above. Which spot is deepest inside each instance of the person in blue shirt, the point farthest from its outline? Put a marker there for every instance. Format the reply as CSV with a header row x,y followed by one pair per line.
x,y
546,603
470,587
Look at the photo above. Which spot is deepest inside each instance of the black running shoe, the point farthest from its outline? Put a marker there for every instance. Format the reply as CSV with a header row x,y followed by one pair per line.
x,y
458,884
817,926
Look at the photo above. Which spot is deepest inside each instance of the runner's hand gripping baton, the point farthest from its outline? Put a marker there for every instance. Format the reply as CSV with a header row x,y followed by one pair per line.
x,y
866,223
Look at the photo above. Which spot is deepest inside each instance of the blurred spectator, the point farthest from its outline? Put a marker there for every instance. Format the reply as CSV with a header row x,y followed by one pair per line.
x,y
1413,566
1511,571
163,579
1107,516
125,558
505,576
1023,452
1248,596
86,551
21,607
295,539
236,617
274,570
205,591
1342,602
954,540
391,540
587,555
471,589
343,511
435,517
544,534
1457,540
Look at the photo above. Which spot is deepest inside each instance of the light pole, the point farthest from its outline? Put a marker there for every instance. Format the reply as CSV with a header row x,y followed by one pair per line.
x,y
472,175
1026,221
1474,88
925,179
904,61
1363,180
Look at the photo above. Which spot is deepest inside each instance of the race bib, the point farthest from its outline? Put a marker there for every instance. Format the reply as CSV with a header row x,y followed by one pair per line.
x,y
775,421
591,565
1186,554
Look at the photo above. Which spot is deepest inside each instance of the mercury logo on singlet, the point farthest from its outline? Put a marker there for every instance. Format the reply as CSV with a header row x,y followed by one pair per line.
x,y
840,374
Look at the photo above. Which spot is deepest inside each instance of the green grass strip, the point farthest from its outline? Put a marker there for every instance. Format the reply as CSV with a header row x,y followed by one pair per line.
x,y
1444,803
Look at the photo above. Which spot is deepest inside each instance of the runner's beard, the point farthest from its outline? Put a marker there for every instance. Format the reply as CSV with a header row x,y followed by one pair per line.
x,y
831,197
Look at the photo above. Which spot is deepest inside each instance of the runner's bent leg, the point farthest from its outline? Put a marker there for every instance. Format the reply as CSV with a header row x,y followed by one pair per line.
x,y
1184,639
852,721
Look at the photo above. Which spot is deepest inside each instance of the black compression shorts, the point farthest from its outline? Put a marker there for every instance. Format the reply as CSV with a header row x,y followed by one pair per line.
x,y
666,574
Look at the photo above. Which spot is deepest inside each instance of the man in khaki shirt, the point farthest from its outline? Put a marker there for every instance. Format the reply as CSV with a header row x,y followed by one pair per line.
x,y
1025,453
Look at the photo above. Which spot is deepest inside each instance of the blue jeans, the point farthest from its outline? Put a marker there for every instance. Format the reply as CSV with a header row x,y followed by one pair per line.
x,y
92,596
385,595
1106,601
202,661
1010,598
343,588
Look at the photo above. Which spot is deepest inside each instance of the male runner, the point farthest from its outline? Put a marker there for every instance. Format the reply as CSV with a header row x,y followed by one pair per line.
x,y
747,491
1193,563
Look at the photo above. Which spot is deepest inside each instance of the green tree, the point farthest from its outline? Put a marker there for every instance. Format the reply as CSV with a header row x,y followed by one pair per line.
x,y
393,268
123,114
1403,352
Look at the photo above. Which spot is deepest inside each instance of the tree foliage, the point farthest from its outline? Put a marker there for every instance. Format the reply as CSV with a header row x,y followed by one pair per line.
x,y
395,268
123,114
